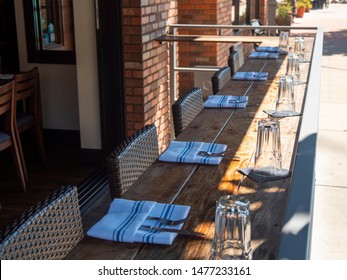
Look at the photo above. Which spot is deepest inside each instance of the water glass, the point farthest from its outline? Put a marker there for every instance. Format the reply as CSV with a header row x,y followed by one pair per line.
x,y
284,42
285,103
232,238
268,155
299,48
293,68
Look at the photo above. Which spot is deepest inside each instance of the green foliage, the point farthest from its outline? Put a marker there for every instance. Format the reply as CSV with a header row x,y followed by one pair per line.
x,y
284,9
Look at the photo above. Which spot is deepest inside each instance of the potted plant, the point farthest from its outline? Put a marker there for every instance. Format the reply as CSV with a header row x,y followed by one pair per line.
x,y
284,13
308,6
301,7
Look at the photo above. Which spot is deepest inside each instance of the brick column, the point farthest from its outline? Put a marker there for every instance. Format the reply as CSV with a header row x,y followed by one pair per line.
x,y
146,77
193,54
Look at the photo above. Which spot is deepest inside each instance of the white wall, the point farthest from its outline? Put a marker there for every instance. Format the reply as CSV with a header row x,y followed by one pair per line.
x,y
69,93
87,73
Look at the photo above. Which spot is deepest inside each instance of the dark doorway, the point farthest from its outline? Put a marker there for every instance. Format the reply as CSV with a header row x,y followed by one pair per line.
x,y
8,38
110,67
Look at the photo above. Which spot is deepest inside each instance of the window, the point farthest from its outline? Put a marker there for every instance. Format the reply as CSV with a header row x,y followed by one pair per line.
x,y
241,12
50,31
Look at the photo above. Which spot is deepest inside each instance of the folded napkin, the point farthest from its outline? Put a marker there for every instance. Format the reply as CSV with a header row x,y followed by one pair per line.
x,y
268,49
226,101
187,152
125,217
264,55
251,76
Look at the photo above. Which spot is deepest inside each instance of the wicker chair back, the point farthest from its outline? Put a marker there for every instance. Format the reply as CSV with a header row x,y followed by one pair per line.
x,y
47,231
185,109
131,158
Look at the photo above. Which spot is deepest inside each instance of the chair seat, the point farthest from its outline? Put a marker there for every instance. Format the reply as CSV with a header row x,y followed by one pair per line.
x,y
4,137
23,119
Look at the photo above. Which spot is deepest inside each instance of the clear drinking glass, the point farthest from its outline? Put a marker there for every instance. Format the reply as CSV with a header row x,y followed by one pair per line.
x,y
285,103
293,68
299,48
284,42
268,155
232,238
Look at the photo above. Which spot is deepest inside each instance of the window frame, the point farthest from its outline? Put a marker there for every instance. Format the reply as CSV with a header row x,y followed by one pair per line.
x,y
35,52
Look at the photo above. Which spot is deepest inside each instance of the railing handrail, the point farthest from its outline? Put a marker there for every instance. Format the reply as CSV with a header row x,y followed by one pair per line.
x,y
229,26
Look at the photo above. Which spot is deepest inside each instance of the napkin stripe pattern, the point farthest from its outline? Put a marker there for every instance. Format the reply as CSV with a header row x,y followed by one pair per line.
x,y
211,148
166,213
185,152
226,101
264,55
221,102
255,76
118,233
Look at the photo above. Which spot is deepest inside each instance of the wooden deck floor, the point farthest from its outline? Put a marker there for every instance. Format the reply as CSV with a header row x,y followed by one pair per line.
x,y
63,168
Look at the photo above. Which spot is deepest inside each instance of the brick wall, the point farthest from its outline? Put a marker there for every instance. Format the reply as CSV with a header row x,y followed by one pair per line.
x,y
194,54
146,77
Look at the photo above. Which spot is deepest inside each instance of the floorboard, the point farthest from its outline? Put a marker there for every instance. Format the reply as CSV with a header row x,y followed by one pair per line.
x,y
63,168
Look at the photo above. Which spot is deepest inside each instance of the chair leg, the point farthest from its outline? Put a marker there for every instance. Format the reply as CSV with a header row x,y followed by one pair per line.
x,y
41,145
21,155
20,165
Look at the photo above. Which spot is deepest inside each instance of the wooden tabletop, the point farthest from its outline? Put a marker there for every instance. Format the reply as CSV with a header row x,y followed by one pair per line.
x,y
201,185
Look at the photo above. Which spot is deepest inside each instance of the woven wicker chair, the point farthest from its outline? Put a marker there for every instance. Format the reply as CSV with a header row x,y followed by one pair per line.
x,y
236,57
131,159
220,78
47,231
185,109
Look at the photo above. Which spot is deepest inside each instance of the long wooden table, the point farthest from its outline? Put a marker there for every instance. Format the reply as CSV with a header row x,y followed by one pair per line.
x,y
201,185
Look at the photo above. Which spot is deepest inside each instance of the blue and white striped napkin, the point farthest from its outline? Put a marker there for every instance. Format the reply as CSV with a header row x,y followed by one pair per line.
x,y
264,55
187,152
251,76
226,101
125,217
270,49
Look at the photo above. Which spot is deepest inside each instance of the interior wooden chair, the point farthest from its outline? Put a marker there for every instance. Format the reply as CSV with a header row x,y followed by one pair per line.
x,y
47,231
8,134
220,78
185,109
28,112
236,57
131,159
258,31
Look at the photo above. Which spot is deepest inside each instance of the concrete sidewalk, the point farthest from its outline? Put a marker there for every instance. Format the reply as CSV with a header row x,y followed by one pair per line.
x,y
330,206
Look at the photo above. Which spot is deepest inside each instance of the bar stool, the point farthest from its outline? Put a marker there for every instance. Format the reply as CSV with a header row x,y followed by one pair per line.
x,y
236,57
220,78
131,159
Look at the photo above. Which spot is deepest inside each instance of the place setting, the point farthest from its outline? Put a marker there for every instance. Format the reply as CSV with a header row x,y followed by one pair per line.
x,y
194,152
142,221
226,101
268,155
273,52
251,76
